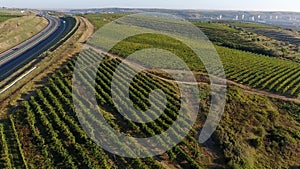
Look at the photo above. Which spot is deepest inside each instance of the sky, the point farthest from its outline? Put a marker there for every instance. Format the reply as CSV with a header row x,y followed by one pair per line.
x,y
257,5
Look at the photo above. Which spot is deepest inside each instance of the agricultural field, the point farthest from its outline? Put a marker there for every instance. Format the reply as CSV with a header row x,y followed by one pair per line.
x,y
258,71
52,132
252,37
43,130
261,72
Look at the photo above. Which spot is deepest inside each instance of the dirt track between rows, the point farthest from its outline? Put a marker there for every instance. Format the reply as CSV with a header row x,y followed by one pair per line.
x,y
245,88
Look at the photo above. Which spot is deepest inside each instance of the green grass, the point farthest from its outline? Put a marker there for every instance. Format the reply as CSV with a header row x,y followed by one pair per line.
x,y
6,16
251,25
101,20
254,134
144,41
216,26
9,14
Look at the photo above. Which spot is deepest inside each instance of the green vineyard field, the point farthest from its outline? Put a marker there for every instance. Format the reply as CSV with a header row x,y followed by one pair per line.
x,y
48,125
44,131
258,71
272,74
262,72
259,128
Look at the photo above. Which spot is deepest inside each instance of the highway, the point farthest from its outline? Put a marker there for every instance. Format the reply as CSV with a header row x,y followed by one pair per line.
x,y
15,58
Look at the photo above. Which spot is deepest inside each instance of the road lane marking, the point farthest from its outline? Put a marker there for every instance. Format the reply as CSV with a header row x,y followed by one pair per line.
x,y
18,79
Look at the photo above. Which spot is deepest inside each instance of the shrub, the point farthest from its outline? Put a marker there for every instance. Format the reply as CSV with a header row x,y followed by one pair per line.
x,y
256,142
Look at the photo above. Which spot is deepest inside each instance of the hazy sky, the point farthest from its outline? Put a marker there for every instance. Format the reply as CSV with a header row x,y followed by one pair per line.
x,y
266,5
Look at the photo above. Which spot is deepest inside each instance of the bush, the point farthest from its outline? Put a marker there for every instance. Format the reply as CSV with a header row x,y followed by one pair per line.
x,y
256,142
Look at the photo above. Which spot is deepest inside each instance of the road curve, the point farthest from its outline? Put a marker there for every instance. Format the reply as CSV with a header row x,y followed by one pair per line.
x,y
13,59
17,50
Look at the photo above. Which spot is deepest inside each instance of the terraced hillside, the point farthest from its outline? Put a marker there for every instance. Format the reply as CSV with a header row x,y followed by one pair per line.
x,y
18,28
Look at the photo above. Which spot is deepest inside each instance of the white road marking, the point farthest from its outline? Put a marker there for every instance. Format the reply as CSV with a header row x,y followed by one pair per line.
x,y
18,79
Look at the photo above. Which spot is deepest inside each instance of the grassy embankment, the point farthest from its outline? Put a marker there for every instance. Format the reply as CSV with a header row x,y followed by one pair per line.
x,y
15,29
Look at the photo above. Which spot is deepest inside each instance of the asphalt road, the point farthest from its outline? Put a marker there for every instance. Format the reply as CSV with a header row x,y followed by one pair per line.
x,y
13,59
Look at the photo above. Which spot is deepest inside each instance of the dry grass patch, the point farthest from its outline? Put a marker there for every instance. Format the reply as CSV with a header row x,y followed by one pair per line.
x,y
17,30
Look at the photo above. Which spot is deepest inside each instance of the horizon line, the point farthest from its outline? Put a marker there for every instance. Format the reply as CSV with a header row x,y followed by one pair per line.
x,y
179,9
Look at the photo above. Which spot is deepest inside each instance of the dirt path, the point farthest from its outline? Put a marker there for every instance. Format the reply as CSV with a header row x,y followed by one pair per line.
x,y
89,30
246,88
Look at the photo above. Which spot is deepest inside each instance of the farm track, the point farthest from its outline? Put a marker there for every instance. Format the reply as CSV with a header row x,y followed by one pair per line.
x,y
246,88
